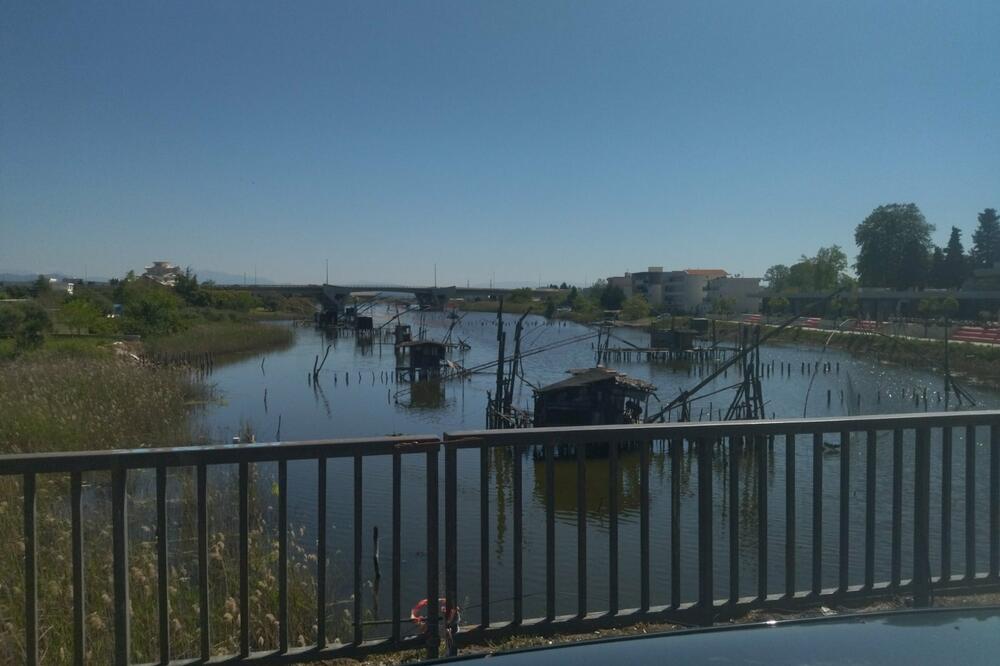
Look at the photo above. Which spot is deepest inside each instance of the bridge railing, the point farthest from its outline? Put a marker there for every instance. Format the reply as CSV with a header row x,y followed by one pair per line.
x,y
705,468
709,456
122,464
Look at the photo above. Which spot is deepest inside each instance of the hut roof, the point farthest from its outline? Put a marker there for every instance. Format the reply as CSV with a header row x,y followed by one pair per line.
x,y
588,376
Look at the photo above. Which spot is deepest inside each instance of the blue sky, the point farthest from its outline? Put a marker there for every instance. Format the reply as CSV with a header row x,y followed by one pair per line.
x,y
530,140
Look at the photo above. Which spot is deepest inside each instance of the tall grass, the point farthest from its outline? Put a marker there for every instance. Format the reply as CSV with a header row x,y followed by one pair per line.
x,y
50,403
219,338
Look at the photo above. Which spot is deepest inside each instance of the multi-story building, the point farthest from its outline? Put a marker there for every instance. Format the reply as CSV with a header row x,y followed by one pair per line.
x,y
693,291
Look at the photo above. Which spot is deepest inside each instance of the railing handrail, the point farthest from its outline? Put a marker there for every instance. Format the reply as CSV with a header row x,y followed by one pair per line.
x,y
220,454
714,429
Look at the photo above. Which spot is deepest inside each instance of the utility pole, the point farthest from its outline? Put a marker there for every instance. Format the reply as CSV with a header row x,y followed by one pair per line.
x,y
435,276
327,272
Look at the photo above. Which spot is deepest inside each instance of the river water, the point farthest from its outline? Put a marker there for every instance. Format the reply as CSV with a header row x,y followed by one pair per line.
x,y
356,396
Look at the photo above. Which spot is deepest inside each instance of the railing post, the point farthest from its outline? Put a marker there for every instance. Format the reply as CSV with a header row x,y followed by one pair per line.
x,y
921,520
433,594
450,534
706,586
31,571
119,546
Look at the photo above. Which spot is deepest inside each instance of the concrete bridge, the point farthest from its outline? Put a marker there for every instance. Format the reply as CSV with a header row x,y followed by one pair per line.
x,y
336,297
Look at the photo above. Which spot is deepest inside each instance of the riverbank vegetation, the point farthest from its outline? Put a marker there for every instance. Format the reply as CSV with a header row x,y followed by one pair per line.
x,y
57,398
980,363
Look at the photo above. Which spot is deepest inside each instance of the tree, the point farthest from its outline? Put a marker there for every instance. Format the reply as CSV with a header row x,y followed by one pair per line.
x,y
938,275
986,239
612,297
186,286
80,315
777,304
955,266
550,308
150,309
895,247
35,322
777,277
41,286
635,307
723,306
829,266
563,286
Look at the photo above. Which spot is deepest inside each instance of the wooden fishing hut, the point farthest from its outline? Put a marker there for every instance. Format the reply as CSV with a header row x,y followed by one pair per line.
x,y
364,325
425,359
673,339
592,396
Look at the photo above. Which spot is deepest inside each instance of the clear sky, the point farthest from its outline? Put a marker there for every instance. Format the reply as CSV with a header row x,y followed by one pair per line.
x,y
530,140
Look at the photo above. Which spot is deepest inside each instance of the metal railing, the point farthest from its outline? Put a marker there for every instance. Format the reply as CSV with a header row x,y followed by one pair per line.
x,y
121,462
706,444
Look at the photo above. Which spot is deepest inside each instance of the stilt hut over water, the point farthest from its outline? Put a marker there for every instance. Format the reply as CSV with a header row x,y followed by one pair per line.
x,y
426,358
592,396
674,339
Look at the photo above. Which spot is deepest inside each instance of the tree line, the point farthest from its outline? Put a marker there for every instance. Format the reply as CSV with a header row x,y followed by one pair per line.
x,y
895,250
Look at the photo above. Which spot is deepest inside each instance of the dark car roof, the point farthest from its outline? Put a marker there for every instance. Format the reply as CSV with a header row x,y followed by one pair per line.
x,y
969,636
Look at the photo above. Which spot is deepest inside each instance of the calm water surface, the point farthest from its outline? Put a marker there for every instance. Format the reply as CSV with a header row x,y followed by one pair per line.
x,y
356,396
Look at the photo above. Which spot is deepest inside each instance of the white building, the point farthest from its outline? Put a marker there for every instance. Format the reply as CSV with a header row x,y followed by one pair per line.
x,y
162,272
690,291
743,294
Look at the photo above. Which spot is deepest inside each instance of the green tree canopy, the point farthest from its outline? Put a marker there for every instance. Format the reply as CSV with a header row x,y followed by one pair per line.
x,y
635,307
955,262
822,272
986,239
895,247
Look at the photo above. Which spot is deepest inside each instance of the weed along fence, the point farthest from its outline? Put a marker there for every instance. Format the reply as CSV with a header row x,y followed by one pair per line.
x,y
728,517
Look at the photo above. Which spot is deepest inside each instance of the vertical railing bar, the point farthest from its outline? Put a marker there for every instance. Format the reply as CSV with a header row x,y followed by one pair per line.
x,y
612,527
283,556
870,487
921,520
484,535
734,519
162,582
119,558
202,510
79,600
790,542
581,530
321,465
946,455
397,546
817,514
518,535
550,532
706,589
970,503
760,451
433,590
644,525
450,537
844,561
31,571
676,452
994,501
244,518
896,565
359,632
